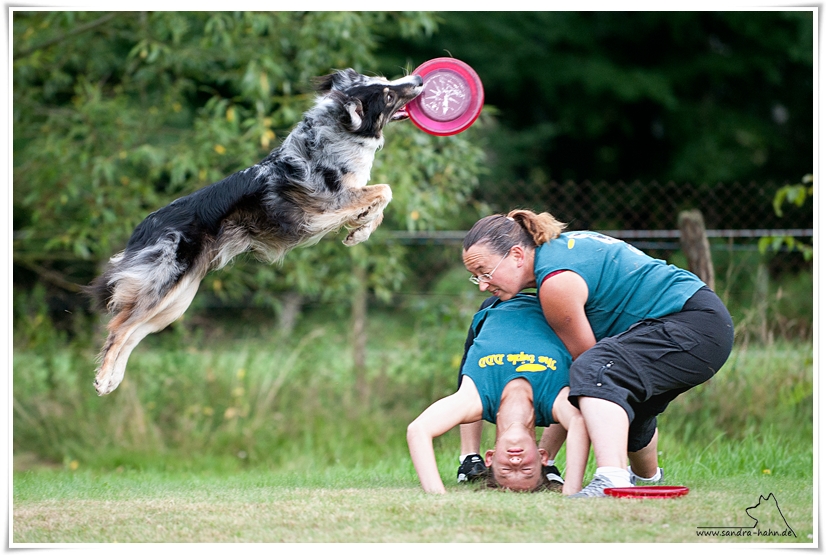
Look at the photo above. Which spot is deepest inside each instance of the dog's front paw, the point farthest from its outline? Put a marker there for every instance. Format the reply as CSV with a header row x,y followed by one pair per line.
x,y
361,233
370,213
358,235
381,197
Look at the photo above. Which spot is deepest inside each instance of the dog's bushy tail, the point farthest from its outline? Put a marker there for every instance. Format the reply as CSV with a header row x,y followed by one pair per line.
x,y
99,291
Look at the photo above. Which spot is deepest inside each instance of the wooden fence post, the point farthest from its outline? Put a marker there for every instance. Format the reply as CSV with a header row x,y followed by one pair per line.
x,y
695,245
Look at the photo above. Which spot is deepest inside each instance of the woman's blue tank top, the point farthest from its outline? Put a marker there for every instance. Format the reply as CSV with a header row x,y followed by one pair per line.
x,y
625,285
513,340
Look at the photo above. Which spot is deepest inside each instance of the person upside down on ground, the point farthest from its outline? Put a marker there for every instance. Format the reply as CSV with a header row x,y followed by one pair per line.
x,y
516,376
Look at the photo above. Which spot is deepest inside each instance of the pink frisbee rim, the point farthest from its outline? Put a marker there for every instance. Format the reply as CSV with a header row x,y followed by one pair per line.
x,y
464,120
648,492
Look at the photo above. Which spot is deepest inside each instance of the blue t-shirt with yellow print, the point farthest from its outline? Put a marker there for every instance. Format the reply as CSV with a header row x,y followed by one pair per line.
x,y
513,340
625,285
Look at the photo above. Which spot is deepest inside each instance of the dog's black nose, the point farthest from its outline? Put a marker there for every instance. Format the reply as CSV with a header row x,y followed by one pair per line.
x,y
418,80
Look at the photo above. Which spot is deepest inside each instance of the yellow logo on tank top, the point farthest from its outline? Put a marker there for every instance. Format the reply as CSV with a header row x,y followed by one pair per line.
x,y
531,368
524,362
571,244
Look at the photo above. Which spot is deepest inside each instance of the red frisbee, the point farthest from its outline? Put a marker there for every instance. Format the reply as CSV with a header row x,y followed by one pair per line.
x,y
451,100
648,492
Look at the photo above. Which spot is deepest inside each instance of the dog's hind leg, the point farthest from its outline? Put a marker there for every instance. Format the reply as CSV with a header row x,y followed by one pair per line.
x,y
119,345
366,213
128,328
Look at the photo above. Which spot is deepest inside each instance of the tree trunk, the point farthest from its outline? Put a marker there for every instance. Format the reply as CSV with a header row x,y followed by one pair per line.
x,y
358,317
290,310
761,301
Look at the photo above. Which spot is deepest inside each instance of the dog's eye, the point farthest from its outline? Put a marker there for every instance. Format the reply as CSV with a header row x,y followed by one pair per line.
x,y
390,97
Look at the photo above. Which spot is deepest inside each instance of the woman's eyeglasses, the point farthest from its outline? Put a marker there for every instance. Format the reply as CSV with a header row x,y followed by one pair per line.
x,y
484,278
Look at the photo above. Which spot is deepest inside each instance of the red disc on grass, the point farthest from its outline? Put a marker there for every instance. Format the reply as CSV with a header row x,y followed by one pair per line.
x,y
451,99
648,492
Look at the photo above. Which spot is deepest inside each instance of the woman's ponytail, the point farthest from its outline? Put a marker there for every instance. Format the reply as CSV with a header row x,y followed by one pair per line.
x,y
519,227
541,227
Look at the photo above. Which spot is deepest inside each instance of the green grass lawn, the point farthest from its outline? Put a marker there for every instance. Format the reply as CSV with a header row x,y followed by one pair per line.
x,y
382,504
261,441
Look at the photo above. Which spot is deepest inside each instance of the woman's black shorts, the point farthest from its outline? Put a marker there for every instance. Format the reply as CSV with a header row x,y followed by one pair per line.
x,y
646,367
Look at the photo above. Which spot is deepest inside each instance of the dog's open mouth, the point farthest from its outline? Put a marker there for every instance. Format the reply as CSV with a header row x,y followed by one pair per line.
x,y
401,114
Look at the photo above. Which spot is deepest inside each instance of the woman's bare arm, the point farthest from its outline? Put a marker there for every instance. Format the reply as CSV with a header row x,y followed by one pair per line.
x,y
462,407
563,297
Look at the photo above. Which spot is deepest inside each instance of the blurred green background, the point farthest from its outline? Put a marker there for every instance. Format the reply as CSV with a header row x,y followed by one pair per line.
x,y
117,114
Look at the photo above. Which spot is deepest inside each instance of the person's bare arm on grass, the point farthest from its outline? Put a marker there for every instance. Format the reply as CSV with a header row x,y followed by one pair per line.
x,y
462,407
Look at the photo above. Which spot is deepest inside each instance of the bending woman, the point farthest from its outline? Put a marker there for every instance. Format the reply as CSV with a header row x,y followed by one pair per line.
x,y
515,376
640,331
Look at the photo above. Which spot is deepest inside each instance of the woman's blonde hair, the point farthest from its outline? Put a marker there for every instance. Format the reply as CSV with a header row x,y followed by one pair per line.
x,y
519,227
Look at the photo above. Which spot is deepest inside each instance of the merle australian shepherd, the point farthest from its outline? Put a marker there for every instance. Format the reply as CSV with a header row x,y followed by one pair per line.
x,y
313,184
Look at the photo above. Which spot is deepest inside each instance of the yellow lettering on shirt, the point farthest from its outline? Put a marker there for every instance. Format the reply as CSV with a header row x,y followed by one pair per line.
x,y
521,357
525,362
548,361
491,360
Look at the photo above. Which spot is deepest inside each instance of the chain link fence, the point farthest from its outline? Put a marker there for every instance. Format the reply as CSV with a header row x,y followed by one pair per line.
x,y
655,206
647,213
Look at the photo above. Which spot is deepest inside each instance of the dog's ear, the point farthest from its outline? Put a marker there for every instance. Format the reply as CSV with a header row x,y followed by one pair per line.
x,y
338,80
323,84
355,111
350,110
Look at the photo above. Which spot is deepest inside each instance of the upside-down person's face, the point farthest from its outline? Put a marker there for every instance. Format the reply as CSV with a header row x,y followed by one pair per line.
x,y
506,278
516,461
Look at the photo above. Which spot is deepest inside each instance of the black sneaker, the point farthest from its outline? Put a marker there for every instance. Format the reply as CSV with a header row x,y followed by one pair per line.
x,y
554,476
472,468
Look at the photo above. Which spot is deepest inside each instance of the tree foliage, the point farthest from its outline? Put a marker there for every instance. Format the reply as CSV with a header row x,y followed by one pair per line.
x,y
796,195
118,114
697,97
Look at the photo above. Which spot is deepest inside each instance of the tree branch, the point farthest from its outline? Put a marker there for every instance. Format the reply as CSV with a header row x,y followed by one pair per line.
x,y
76,31
55,278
